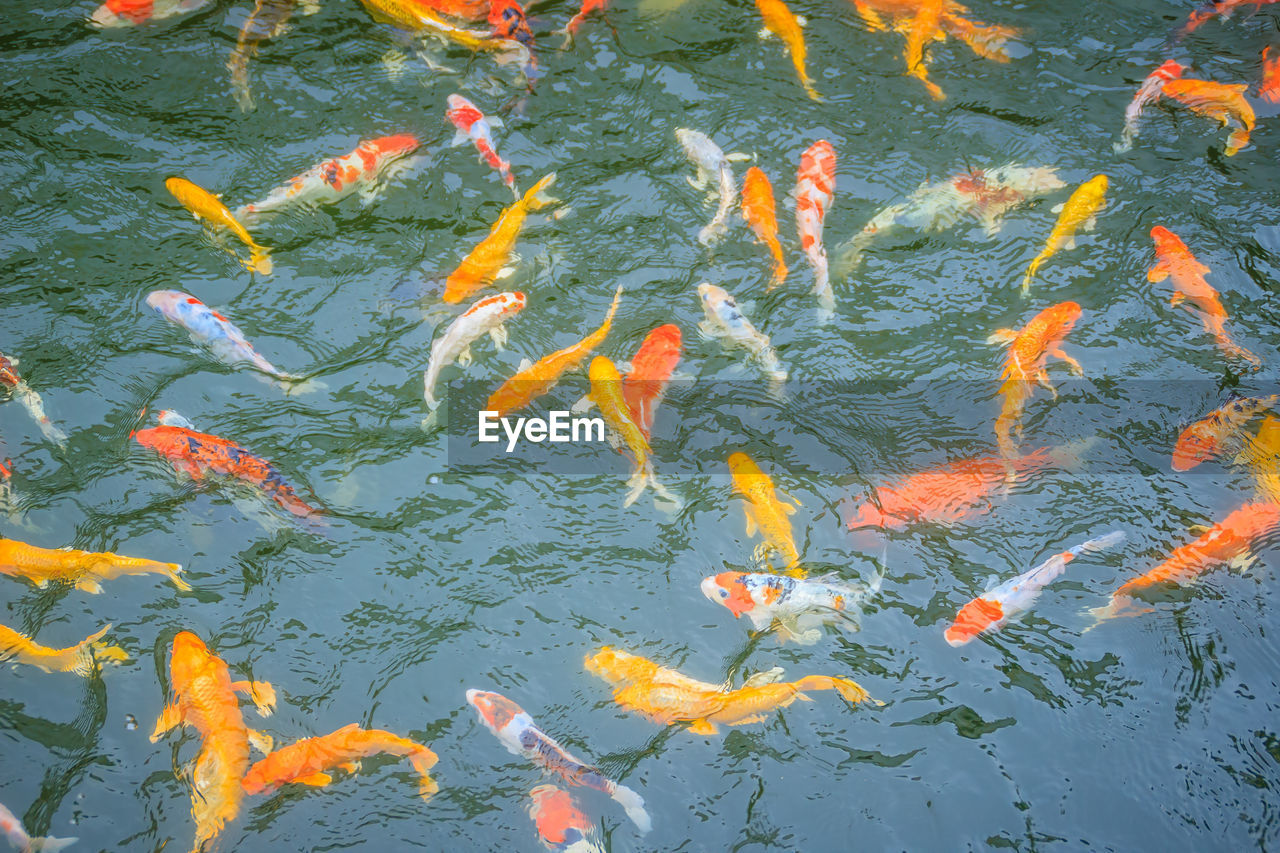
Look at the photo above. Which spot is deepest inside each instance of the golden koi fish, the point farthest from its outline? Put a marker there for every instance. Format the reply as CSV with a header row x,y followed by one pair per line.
x,y
205,205
765,513
1261,453
619,667
85,569
418,17
1079,211
779,21
16,646
925,27
488,260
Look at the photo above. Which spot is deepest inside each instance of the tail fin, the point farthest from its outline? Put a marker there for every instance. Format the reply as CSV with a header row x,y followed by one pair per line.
x,y
633,804
173,571
48,844
422,761
536,198
90,649
293,384
259,261
853,692
1101,543
1032,269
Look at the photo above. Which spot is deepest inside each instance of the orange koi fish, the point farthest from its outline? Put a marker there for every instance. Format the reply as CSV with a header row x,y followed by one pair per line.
x,y
1219,101
1174,260
306,761
206,206
1029,350
1208,437
571,29
765,513
1269,86
1261,453
562,826
651,370
781,22
80,658
618,667
1228,541
418,16
925,27
533,380
488,260
1213,9
205,699
132,13
759,211
84,569
815,188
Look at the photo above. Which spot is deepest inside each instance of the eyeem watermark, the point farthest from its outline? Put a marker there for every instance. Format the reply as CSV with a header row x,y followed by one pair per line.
x,y
560,427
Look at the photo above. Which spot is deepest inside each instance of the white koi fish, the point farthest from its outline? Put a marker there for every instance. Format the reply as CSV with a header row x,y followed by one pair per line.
x,y
16,834
726,321
476,126
30,400
486,315
710,160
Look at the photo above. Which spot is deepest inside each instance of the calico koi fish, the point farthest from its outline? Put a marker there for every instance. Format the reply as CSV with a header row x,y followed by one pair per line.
x,y
1148,92
131,13
206,206
992,610
779,21
86,570
983,194
726,321
305,761
1080,211
795,608
205,699
1175,261
30,400
1229,541
486,315
1029,351
362,171
1218,101
815,188
1209,436
759,211
81,658
269,19
562,826
474,125
488,260
651,369
1269,85
710,162
513,726
533,380
16,834
765,513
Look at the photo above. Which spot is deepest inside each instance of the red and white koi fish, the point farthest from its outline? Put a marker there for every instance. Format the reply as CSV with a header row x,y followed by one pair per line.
x,y
794,607
486,315
16,834
588,6
474,125
334,180
651,370
513,726
131,13
30,401
561,824
992,610
1149,91
815,187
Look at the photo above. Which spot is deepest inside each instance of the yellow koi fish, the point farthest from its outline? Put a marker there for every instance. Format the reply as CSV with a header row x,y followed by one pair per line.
x,y
779,21
16,646
1261,453
487,262
205,205
85,569
925,27
1079,211
764,512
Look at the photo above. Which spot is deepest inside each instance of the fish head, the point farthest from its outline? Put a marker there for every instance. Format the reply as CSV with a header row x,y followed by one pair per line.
x,y
1061,318
123,13
1166,240
8,372
189,658
603,370
729,589
712,297
559,820
457,102
508,19
168,417
1195,444
974,618
667,337
495,710
512,302
171,303
614,666
256,781
1170,69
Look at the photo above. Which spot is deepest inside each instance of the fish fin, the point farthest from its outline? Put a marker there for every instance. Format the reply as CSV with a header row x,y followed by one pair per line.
x,y
464,357
750,519
350,766
170,717
498,334
703,727
1002,336
584,404
633,804
1243,563
1090,223
1178,298
789,509
764,33
754,718
1157,273
261,692
90,586
524,365
48,844
802,20
707,330
741,157
259,261
1057,208
459,137
315,780
260,741
506,272
1070,244
615,442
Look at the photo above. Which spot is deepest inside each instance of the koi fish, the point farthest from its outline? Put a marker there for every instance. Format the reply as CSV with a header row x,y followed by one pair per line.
x,y
16,834
509,22
760,213
618,667
30,400
561,824
472,124
925,27
1029,350
710,161
606,394
779,21
218,334
533,380
992,610
1269,85
983,194
269,19
305,761
1147,92
488,260
990,41
951,492
86,570
418,16
1080,211
513,726
1210,10
1175,261
486,315
1219,101
1229,541
796,608
1260,453
206,206
765,513
727,322
131,13
815,187
1208,437
205,699
651,369
198,454
333,180
80,658
571,29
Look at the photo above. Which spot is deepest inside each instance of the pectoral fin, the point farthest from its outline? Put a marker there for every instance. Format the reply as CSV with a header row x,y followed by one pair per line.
x,y
524,365
703,727
583,405
1178,298
1157,273
499,336
754,718
1002,336
260,741
459,137
315,780
750,519
1244,563
505,272
464,357
88,585
169,718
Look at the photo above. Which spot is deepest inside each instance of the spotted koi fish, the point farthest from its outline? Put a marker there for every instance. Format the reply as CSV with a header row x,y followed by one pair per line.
x,y
1211,435
794,607
474,125
815,187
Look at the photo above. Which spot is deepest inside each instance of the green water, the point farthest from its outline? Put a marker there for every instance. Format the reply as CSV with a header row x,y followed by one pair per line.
x,y
1150,733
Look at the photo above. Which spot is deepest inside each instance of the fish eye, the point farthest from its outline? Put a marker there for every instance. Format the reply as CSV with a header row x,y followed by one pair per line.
x,y
724,593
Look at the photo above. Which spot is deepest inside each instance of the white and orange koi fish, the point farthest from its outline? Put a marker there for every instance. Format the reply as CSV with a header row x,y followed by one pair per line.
x,y
815,187
476,126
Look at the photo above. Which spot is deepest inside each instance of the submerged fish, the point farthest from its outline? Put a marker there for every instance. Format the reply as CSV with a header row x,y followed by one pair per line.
x,y
795,608
781,22
268,20
16,834
1269,85
815,189
571,28
487,315
1210,435
1213,9
305,761
711,162
618,667
759,211
131,13
562,826
86,570
206,206
1218,101
82,658
30,401
726,321
651,370
992,610
924,27
1261,454
475,126
488,261
513,726
420,18
1080,211
765,513
1148,92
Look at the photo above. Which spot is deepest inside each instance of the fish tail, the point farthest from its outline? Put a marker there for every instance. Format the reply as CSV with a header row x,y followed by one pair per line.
x,y
536,198
292,384
779,263
987,41
173,572
853,692
1101,543
1032,269
90,648
259,260
642,477
423,760
633,804
48,844
1233,350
